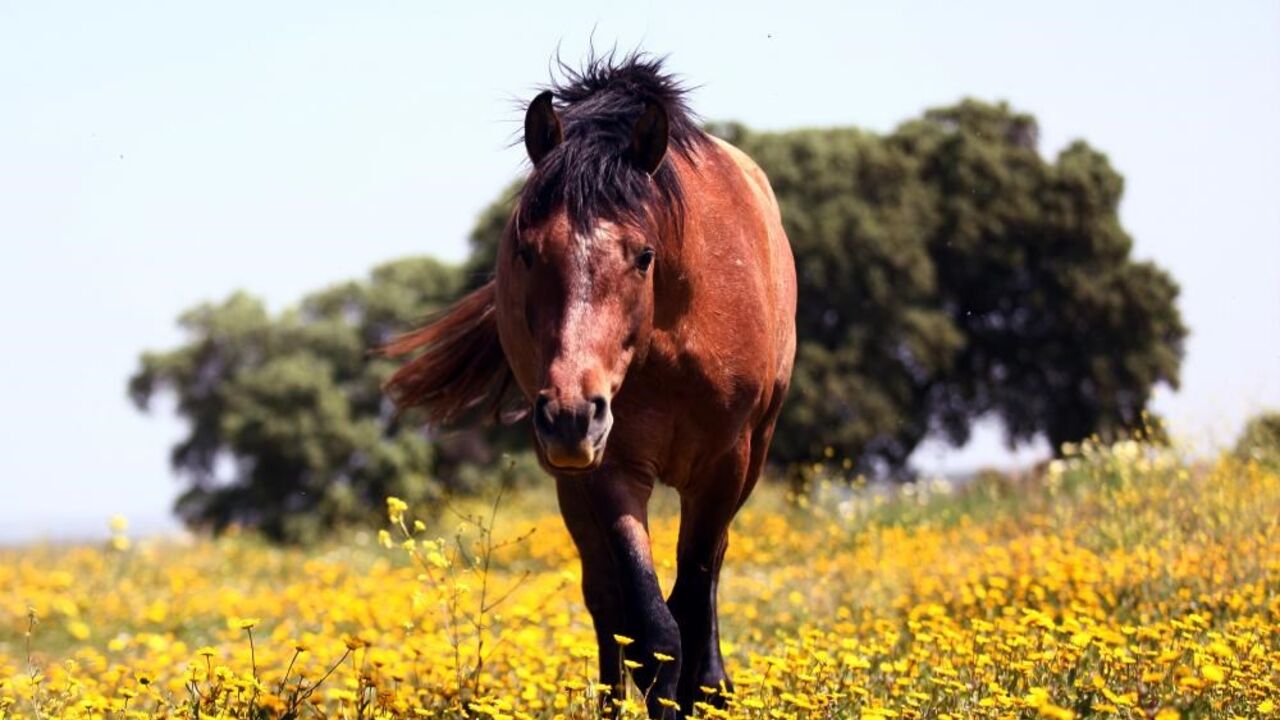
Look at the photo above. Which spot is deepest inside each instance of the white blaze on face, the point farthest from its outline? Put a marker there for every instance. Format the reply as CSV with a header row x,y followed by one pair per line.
x,y
571,357
580,286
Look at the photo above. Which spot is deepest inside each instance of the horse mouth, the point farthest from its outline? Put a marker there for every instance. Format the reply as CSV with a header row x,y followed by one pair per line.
x,y
572,460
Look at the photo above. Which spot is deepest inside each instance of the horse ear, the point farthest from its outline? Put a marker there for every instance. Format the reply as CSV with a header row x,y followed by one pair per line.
x,y
649,138
541,128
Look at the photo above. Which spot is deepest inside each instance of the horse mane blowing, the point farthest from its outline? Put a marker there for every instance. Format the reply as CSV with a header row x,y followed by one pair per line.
x,y
458,369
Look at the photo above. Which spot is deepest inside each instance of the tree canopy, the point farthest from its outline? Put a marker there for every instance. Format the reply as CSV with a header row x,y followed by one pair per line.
x,y
947,272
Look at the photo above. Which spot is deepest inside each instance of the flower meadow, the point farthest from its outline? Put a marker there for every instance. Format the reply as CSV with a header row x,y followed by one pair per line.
x,y
1121,581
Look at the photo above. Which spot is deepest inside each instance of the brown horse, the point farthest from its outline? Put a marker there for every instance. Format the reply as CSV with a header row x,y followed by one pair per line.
x,y
643,308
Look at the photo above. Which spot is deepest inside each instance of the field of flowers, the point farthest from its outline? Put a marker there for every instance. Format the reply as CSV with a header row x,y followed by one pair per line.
x,y
1120,582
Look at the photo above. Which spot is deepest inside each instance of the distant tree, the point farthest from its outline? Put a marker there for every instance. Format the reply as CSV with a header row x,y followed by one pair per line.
x,y
288,430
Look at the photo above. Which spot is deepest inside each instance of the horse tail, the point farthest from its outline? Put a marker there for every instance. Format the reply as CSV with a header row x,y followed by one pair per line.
x,y
459,367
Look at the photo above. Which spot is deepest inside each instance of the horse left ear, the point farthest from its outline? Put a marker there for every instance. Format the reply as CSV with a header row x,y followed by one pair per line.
x,y
649,138
541,128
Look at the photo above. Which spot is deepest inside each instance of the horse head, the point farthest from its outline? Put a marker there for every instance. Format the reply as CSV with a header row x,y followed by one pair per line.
x,y
575,274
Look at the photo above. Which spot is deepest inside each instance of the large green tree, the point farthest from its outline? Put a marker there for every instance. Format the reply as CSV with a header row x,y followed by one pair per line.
x,y
1066,334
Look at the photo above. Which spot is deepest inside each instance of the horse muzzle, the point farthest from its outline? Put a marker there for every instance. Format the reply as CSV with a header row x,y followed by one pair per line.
x,y
572,435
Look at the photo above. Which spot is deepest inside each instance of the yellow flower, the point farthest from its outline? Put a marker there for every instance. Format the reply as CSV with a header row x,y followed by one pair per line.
x,y
663,657
622,640
1050,710
396,509
78,630
1213,673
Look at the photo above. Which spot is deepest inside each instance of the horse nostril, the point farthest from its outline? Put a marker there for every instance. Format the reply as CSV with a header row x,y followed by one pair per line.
x,y
543,421
600,407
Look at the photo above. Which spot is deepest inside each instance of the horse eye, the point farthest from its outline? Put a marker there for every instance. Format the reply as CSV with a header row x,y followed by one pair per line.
x,y
644,260
525,253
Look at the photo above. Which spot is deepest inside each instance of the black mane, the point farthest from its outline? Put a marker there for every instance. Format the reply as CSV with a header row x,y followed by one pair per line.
x,y
588,174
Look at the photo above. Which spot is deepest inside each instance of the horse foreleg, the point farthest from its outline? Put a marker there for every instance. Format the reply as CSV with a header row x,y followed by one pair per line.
x,y
600,590
607,517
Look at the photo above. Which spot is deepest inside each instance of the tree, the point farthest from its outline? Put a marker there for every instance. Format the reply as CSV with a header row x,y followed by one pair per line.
x,y
288,430
1066,335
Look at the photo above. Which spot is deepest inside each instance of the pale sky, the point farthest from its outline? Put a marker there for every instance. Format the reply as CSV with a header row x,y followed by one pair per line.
x,y
156,155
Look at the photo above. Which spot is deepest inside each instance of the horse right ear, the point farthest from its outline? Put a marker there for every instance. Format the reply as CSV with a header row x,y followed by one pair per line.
x,y
541,128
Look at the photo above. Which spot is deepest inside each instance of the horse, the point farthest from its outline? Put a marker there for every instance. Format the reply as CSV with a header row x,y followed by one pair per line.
x,y
642,311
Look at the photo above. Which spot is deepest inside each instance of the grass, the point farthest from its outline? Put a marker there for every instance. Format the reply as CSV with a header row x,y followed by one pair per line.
x,y
1120,582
